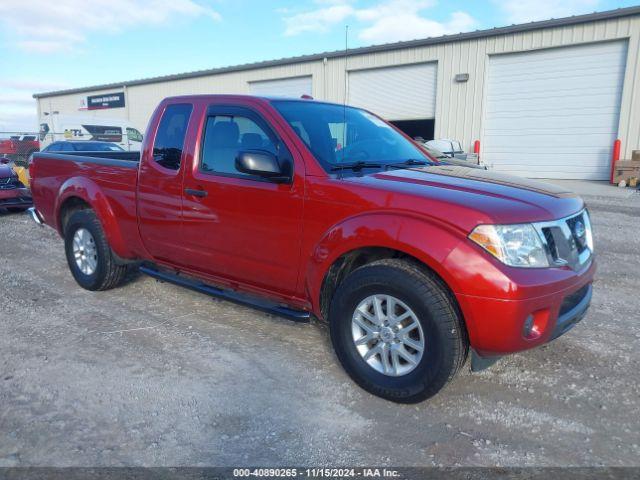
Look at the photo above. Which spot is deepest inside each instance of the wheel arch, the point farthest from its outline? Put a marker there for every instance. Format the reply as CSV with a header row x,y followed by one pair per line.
x,y
365,239
68,207
79,193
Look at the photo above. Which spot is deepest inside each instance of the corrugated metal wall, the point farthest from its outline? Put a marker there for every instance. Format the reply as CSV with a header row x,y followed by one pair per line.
x,y
459,106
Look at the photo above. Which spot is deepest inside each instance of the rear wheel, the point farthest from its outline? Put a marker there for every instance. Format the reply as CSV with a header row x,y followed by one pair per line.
x,y
397,331
90,259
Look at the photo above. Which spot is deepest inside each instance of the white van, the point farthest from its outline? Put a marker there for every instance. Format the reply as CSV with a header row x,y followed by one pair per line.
x,y
58,127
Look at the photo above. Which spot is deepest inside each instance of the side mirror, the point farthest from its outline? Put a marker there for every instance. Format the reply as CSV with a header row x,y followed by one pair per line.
x,y
263,164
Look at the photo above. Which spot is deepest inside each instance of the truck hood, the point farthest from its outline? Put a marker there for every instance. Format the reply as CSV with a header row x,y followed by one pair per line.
x,y
495,197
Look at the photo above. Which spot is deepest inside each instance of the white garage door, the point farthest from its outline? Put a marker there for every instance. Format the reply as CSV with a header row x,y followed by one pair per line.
x,y
284,87
395,93
554,113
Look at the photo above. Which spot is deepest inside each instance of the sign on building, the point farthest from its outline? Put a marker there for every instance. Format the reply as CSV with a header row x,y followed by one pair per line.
x,y
108,100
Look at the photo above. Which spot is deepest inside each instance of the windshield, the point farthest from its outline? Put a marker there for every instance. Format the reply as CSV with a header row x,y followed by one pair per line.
x,y
97,147
338,135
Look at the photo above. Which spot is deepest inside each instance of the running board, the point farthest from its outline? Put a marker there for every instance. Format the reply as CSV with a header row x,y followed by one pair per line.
x,y
230,295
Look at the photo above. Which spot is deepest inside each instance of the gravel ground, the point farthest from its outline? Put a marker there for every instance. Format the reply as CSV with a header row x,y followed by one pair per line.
x,y
151,374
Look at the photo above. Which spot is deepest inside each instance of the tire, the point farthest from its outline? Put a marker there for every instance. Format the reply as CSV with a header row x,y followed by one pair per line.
x,y
441,328
107,273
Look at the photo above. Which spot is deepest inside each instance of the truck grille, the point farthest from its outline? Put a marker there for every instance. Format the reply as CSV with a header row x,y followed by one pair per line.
x,y
551,242
573,223
10,183
566,240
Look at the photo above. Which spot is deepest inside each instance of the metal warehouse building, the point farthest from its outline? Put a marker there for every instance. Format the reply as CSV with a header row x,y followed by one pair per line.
x,y
546,99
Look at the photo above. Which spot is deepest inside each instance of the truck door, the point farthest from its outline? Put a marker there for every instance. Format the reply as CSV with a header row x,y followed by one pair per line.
x,y
235,225
160,184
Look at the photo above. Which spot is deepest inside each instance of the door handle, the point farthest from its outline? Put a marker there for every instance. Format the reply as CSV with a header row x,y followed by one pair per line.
x,y
195,193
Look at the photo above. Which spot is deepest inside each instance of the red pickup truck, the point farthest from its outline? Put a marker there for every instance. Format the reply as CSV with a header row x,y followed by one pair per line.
x,y
300,207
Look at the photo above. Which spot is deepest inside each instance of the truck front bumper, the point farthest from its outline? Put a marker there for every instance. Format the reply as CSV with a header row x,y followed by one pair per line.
x,y
15,197
577,305
498,327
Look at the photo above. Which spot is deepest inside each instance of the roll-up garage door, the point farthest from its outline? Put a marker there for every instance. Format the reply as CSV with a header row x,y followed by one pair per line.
x,y
395,93
284,87
554,113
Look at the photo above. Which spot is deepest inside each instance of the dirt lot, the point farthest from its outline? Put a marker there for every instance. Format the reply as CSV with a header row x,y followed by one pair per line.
x,y
152,374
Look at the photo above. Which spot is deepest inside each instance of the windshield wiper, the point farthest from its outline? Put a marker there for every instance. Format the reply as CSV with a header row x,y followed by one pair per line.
x,y
356,166
407,163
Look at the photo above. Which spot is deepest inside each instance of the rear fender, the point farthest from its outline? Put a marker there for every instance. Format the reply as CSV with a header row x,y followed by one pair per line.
x,y
88,191
427,240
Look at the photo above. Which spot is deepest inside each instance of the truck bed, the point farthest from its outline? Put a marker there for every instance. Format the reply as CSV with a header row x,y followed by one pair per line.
x,y
109,177
94,157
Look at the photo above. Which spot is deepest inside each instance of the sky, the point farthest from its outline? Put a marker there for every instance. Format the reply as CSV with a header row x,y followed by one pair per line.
x,y
56,44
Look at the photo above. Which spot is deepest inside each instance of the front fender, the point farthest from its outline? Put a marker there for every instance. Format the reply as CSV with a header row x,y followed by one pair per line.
x,y
428,240
88,191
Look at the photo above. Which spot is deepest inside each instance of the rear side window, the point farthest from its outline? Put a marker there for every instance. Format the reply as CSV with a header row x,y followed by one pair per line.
x,y
169,141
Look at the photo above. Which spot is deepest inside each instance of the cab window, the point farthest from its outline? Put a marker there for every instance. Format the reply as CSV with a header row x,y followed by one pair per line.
x,y
225,137
169,141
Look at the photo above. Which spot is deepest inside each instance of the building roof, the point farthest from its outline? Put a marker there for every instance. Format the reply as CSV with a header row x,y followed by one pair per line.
x,y
554,22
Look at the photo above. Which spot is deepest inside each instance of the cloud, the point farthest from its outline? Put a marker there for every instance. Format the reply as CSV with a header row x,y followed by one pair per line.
x,y
12,123
523,11
17,118
407,25
44,26
15,99
386,21
30,85
18,112
320,20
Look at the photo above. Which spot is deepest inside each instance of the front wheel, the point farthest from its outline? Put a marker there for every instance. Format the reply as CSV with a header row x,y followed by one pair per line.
x,y
89,256
397,331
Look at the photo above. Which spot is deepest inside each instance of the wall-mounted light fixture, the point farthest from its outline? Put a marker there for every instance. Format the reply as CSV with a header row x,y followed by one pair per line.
x,y
461,77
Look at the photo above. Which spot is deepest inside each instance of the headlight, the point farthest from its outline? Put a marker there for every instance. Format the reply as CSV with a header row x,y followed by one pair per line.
x,y
588,230
513,245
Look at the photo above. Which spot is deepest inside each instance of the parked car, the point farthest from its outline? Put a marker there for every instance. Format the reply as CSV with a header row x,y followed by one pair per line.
x,y
255,200
82,146
452,149
18,148
60,127
14,196
446,145
68,146
444,159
